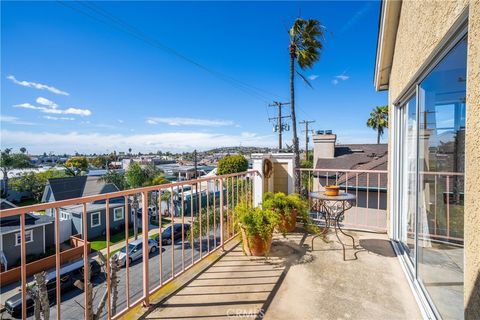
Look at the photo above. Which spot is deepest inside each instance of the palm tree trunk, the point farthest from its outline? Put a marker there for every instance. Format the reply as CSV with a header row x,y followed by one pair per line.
x,y
296,151
378,136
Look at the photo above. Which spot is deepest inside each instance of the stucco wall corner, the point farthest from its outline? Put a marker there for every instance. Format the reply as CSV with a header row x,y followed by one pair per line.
x,y
472,168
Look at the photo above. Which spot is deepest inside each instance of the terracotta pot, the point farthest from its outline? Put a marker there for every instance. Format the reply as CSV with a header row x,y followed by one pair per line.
x,y
332,190
289,223
255,246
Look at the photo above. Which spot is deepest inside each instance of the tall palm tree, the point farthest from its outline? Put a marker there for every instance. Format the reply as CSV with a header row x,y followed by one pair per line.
x,y
378,120
306,44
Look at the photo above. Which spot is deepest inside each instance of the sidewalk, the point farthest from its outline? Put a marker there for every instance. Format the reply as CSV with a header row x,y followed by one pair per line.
x,y
117,246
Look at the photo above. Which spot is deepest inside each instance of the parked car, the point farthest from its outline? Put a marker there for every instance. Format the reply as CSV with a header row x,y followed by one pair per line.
x,y
135,251
68,275
177,233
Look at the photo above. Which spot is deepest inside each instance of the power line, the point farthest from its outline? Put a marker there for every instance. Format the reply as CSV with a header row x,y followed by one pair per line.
x,y
280,126
123,26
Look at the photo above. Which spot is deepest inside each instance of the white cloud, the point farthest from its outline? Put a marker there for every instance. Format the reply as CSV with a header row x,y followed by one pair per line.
x,y
341,77
120,121
15,120
190,122
313,77
36,85
96,142
53,108
46,102
59,118
80,112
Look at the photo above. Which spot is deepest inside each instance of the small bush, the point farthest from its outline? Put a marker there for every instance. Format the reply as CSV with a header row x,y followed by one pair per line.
x,y
232,164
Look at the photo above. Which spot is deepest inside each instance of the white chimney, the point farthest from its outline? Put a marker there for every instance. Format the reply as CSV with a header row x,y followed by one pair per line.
x,y
324,145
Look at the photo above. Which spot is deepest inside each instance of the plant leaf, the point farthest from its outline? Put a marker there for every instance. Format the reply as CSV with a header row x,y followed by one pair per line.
x,y
304,79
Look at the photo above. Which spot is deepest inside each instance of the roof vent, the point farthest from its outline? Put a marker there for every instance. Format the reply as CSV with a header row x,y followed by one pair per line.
x,y
324,131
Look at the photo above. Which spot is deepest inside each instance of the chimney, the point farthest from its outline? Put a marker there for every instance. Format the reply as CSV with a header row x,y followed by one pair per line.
x,y
324,145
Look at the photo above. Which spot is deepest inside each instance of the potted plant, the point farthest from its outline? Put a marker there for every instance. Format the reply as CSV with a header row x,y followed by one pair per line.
x,y
256,225
286,207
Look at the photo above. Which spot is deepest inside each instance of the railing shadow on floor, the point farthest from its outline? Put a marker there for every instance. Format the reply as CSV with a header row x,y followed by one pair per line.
x,y
273,269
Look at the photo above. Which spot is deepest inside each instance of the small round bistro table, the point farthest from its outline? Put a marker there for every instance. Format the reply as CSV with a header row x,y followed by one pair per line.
x,y
334,208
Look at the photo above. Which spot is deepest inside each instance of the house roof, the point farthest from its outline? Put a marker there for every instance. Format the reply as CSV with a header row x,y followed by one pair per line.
x,y
387,34
358,157
96,206
5,204
11,224
76,187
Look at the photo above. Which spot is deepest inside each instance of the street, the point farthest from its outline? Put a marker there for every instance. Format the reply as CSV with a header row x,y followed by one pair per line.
x,y
73,300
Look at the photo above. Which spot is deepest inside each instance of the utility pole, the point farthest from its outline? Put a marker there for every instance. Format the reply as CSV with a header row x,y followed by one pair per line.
x,y
306,123
195,161
279,127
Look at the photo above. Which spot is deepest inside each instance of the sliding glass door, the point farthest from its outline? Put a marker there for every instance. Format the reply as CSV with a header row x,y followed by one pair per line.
x,y
432,148
409,178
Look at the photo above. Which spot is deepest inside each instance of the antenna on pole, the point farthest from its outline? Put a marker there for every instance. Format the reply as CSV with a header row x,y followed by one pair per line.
x,y
279,126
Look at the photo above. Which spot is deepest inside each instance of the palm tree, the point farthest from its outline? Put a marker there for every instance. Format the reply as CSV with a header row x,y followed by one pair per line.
x,y
378,120
166,197
306,38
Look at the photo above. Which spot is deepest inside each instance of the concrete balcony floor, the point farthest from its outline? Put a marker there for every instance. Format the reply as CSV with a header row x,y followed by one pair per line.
x,y
297,283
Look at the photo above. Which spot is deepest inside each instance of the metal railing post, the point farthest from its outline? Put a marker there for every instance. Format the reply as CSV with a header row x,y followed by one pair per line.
x,y
57,262
23,272
222,240
146,300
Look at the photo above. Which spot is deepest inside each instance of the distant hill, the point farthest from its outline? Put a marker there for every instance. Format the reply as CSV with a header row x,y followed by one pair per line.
x,y
245,150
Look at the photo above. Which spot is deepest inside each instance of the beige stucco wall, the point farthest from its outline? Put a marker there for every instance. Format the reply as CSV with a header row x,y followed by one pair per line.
x,y
472,181
421,27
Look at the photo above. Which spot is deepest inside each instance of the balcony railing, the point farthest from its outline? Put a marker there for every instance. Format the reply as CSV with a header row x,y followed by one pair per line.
x,y
204,206
369,186
441,199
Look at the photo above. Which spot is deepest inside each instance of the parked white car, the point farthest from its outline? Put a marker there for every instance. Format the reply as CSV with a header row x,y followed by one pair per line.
x,y
135,251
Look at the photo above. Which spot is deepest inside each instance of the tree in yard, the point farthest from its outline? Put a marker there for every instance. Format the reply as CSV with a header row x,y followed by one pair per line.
x,y
23,150
167,197
114,177
9,161
159,180
232,164
34,182
306,37
135,177
75,165
378,120
99,162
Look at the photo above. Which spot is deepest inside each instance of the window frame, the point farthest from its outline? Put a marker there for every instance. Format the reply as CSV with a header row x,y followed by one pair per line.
x,y
456,33
99,219
115,214
65,215
18,236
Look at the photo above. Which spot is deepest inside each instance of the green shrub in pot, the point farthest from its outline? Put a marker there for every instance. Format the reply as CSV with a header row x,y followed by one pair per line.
x,y
257,225
287,208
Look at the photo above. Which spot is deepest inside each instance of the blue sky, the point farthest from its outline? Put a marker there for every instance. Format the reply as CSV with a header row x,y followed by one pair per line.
x,y
70,82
